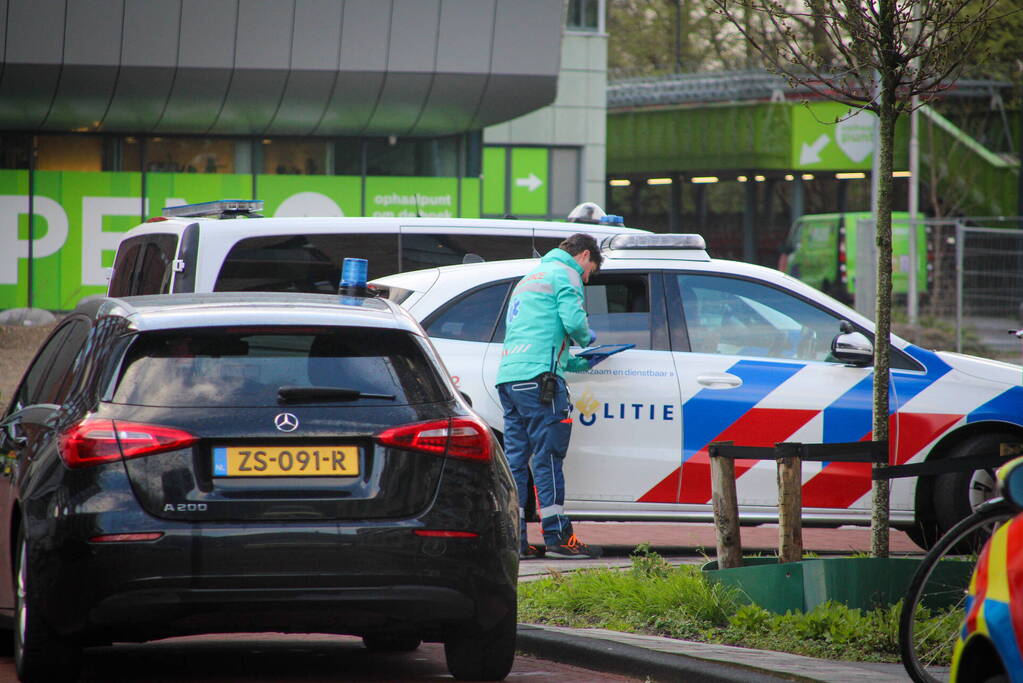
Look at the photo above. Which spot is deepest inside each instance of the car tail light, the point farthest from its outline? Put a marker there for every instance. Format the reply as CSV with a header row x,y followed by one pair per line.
x,y
445,533
127,538
96,441
457,437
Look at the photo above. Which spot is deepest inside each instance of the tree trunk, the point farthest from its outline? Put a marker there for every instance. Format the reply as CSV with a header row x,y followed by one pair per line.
x,y
880,491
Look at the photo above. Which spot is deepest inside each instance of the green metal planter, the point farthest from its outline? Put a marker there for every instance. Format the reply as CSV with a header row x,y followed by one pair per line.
x,y
859,582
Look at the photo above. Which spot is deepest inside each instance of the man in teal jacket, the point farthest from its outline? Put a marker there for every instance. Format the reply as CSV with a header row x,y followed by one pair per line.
x,y
545,315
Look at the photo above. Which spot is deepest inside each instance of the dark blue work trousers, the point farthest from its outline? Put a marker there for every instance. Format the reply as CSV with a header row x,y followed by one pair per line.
x,y
536,437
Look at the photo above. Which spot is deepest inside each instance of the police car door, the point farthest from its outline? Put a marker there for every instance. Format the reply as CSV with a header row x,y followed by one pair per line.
x,y
755,369
626,423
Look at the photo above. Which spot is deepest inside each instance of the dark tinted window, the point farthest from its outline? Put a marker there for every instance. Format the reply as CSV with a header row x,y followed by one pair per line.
x,y
144,265
61,377
446,249
472,317
245,367
155,265
124,265
46,375
302,263
545,244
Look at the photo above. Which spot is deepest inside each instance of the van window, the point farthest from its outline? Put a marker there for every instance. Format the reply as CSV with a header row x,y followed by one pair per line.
x,y
155,265
447,249
302,263
144,265
124,264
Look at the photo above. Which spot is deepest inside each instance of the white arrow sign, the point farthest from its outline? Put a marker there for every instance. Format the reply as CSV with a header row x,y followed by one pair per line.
x,y
811,154
531,182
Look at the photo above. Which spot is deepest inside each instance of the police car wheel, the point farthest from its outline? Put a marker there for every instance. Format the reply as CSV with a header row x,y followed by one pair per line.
x,y
958,494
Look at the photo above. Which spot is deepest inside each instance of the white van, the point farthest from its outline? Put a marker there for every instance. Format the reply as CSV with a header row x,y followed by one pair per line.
x,y
227,246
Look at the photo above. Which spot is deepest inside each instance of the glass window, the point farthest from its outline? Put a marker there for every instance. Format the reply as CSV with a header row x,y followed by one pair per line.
x,y
124,265
295,157
412,157
302,263
471,317
618,308
348,156
143,265
155,265
473,154
46,380
32,383
14,150
730,316
446,249
246,367
564,180
130,154
583,15
69,153
62,376
190,155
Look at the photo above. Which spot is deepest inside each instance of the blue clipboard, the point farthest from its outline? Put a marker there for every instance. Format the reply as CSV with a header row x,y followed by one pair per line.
x,y
602,352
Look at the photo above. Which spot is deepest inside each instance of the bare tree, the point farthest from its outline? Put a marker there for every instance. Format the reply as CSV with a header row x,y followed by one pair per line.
x,y
876,55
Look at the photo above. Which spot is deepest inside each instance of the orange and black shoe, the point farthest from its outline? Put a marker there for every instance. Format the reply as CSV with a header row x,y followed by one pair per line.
x,y
531,553
573,549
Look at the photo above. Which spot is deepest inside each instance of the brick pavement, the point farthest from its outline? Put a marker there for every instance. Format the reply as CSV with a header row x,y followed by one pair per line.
x,y
699,538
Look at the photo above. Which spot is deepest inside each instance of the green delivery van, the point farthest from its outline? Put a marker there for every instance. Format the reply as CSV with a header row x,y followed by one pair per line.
x,y
821,251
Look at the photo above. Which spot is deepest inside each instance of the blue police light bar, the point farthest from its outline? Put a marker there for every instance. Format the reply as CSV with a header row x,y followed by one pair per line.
x,y
219,208
654,241
612,219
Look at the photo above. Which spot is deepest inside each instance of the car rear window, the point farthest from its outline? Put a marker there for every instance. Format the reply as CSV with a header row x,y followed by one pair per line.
x,y
246,366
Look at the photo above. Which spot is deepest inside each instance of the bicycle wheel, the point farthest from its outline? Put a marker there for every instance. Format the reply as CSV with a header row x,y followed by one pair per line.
x,y
932,610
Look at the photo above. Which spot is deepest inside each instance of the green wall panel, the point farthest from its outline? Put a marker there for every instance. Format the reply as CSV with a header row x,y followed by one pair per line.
x,y
305,195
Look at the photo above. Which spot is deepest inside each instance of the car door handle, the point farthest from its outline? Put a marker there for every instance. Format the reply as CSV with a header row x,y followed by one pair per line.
x,y
719,380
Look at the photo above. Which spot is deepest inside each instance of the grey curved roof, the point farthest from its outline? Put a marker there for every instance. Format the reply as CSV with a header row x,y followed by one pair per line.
x,y
276,67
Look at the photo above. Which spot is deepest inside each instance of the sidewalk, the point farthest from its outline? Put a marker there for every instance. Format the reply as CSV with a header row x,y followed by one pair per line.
x,y
620,538
656,658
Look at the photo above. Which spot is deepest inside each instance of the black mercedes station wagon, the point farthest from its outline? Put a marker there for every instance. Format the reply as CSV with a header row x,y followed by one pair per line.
x,y
189,464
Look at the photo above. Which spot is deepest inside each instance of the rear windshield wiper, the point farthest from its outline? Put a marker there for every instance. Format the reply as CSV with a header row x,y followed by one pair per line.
x,y
325,394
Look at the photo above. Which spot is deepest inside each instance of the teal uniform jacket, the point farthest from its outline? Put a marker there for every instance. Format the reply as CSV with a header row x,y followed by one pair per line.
x,y
545,312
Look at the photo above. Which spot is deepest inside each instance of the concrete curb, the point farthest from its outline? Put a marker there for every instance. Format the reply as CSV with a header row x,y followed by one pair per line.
x,y
637,662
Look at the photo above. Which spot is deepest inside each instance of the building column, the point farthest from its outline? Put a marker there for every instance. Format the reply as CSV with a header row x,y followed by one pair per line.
x,y
797,200
749,219
675,209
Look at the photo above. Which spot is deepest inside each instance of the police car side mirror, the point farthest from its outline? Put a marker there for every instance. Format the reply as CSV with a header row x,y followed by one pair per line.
x,y
850,346
467,398
1010,480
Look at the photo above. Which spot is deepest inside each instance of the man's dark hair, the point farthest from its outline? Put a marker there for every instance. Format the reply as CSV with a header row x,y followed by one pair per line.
x,y
580,242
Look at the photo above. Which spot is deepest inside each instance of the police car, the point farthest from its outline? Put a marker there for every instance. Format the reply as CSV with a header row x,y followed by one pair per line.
x,y
728,351
990,642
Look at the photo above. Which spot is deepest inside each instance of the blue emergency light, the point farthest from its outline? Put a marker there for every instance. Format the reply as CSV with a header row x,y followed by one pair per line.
x,y
353,280
222,208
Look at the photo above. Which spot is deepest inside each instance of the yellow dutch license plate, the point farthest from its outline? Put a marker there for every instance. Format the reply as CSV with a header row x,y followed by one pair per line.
x,y
274,461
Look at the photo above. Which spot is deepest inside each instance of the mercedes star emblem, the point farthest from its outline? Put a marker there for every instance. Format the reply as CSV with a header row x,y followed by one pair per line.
x,y
286,422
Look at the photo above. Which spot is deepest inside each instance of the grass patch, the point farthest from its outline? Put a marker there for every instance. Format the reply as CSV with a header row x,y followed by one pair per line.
x,y
653,597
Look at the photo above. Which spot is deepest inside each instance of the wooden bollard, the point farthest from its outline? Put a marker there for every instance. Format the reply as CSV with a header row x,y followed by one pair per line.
x,y
790,507
726,511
